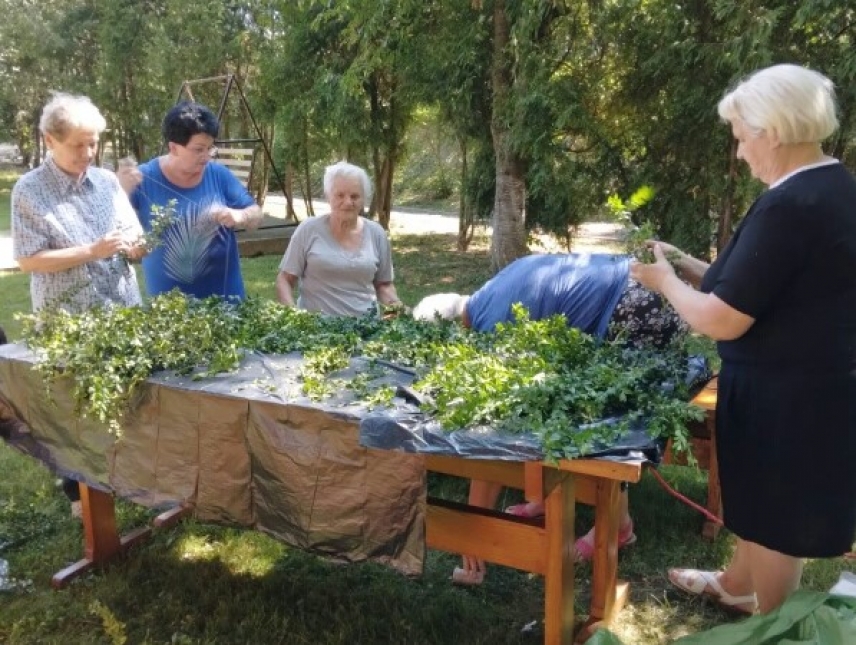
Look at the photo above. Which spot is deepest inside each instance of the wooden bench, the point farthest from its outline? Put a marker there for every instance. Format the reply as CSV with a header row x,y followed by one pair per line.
x,y
238,160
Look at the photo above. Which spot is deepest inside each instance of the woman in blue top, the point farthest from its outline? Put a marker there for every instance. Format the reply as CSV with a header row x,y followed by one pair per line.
x,y
198,254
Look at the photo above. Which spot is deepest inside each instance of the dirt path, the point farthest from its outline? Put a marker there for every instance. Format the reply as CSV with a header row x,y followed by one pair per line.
x,y
591,237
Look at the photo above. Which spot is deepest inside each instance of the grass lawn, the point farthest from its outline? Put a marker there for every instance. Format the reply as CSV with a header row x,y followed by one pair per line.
x,y
7,180
203,584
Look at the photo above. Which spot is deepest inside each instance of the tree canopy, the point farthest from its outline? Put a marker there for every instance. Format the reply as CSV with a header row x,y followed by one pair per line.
x,y
553,106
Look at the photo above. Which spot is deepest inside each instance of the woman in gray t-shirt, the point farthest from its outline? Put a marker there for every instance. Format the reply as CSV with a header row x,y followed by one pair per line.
x,y
342,260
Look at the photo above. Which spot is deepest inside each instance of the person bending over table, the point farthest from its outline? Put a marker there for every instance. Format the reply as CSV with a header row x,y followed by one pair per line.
x,y
73,228
780,299
595,294
342,261
198,254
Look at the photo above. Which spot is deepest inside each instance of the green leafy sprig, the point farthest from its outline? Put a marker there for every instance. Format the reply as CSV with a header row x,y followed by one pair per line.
x,y
539,377
162,217
558,383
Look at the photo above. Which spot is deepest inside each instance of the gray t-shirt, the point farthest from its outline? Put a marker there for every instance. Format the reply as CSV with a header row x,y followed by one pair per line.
x,y
334,280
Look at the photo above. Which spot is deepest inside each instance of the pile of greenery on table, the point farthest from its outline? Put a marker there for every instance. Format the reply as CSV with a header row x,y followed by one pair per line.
x,y
540,377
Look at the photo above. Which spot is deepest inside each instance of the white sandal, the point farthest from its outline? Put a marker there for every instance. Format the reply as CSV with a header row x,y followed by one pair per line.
x,y
705,583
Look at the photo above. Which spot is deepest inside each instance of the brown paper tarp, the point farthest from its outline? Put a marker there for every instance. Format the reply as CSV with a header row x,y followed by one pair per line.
x,y
243,449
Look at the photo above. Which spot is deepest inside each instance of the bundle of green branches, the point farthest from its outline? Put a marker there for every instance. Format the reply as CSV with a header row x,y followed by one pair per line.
x,y
539,377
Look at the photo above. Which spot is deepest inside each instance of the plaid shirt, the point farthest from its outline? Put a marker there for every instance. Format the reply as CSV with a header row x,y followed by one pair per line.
x,y
50,210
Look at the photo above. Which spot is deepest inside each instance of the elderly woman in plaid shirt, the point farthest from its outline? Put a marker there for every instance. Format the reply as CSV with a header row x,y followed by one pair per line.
x,y
74,230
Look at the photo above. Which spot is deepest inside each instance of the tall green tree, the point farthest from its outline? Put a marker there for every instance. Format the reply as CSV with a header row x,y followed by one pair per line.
x,y
556,104
35,61
344,86
127,87
453,45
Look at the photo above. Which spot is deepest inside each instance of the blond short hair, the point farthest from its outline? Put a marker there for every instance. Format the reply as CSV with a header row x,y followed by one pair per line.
x,y
66,112
795,103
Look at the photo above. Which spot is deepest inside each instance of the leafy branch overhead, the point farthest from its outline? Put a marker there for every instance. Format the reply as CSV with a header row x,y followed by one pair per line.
x,y
540,377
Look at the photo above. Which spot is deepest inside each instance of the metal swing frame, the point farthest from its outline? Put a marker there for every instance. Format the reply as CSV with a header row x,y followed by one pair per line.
x,y
236,164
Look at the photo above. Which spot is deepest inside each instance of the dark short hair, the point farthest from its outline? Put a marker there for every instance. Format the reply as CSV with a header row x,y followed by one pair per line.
x,y
186,119
3,339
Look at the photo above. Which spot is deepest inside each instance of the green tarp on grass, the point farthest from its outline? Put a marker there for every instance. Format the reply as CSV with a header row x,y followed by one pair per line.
x,y
806,618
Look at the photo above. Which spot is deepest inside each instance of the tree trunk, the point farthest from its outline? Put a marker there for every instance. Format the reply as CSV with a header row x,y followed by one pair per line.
x,y
726,213
385,210
307,178
465,210
509,215
509,232
37,142
373,206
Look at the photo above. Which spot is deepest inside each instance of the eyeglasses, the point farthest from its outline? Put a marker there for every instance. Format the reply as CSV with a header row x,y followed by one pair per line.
x,y
199,151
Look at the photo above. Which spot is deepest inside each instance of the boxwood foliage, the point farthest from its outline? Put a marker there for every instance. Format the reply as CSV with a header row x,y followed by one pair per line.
x,y
541,377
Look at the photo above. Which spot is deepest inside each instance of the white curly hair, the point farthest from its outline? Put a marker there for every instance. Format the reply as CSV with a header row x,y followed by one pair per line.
x,y
445,306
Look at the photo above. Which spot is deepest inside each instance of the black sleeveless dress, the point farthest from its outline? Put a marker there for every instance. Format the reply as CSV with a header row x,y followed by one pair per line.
x,y
786,411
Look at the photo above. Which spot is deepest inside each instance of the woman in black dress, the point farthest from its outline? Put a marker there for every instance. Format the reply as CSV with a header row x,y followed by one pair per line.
x,y
781,301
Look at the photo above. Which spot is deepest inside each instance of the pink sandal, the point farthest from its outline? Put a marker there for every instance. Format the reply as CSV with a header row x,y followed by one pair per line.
x,y
584,546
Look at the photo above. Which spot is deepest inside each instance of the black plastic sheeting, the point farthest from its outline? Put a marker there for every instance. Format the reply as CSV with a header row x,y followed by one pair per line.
x,y
243,449
415,432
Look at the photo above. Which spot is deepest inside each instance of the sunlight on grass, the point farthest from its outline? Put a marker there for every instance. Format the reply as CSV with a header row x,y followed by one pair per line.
x,y
7,180
251,554
16,299
240,552
197,548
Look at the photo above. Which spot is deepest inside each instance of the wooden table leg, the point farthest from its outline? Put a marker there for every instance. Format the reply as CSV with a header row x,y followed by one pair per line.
x,y
543,546
608,594
533,481
710,529
706,399
101,539
559,511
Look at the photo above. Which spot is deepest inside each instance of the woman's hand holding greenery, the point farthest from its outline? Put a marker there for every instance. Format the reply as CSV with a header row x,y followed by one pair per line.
x,y
672,253
652,275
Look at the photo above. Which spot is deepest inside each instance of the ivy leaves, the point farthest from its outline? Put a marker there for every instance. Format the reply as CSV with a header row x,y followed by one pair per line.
x,y
554,381
539,377
110,351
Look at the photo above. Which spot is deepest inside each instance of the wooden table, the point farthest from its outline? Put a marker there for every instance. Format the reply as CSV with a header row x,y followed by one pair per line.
x,y
703,446
543,546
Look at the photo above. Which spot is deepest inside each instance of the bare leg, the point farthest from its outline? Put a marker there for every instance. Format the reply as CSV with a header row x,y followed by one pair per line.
x,y
775,576
737,577
483,494
754,569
